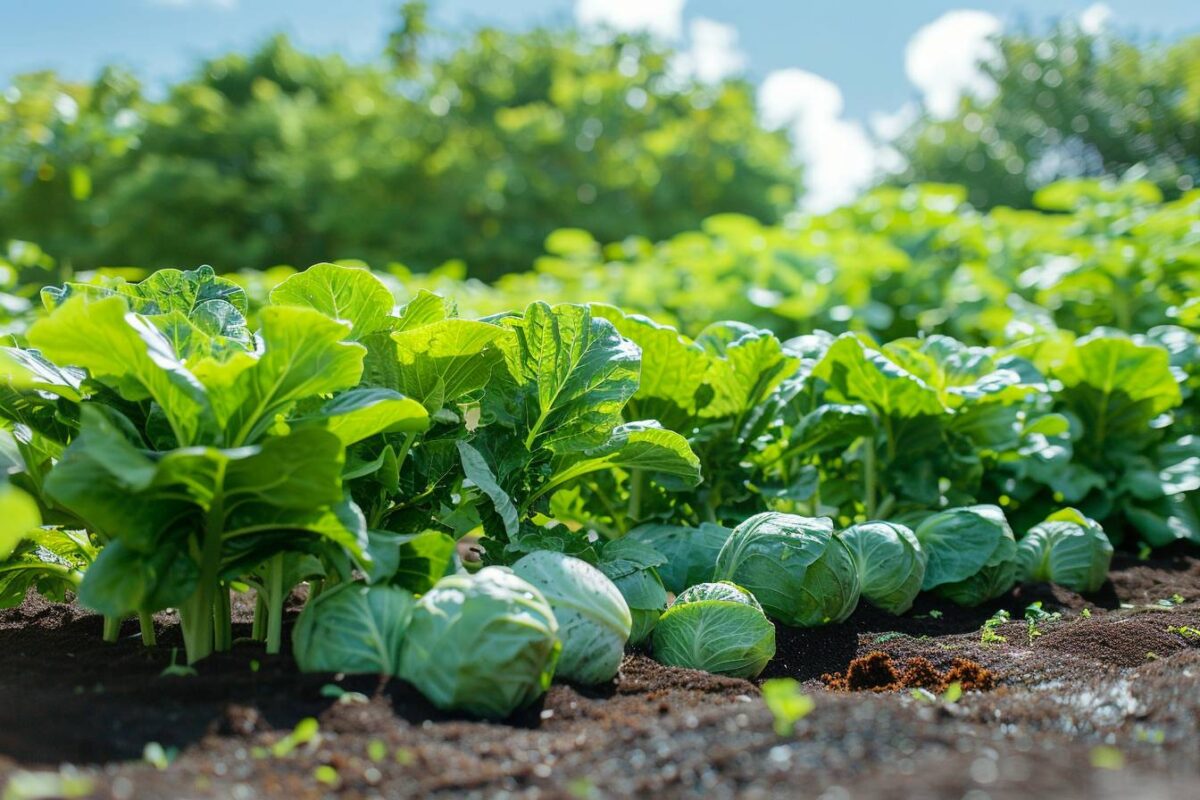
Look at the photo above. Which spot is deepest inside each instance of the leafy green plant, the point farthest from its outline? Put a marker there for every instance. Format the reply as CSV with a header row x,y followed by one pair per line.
x,y
485,643
798,568
787,703
593,618
1068,549
971,554
890,561
716,627
353,628
989,634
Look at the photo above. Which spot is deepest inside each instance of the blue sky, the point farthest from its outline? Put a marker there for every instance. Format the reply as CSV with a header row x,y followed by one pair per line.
x,y
838,72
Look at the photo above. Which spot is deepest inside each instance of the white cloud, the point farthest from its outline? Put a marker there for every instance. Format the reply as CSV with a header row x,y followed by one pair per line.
x,y
713,54
1095,18
663,18
840,159
942,59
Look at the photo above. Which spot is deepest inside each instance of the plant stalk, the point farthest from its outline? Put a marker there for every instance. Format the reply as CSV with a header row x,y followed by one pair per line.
x,y
146,623
275,604
112,628
259,631
869,468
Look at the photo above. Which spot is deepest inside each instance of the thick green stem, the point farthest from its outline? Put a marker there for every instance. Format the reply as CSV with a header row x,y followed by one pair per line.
x,y
635,494
869,476
196,613
275,604
259,632
146,622
222,620
112,628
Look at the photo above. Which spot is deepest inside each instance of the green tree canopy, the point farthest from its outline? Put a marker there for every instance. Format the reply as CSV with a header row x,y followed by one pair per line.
x,y
1067,105
472,149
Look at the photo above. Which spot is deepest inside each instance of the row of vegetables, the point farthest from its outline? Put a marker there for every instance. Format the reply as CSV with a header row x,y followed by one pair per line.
x,y
168,444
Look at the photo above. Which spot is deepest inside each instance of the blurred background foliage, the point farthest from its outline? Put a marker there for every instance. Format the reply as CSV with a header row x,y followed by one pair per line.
x,y
469,149
462,153
1067,104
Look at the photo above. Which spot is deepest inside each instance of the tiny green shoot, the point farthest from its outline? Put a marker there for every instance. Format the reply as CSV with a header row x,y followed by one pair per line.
x,y
787,703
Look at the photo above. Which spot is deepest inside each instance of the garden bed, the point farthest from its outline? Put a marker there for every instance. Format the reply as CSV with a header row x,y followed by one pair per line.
x,y
1104,702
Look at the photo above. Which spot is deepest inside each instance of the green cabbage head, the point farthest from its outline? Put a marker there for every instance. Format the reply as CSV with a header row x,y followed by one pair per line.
x,y
799,570
353,628
1066,548
593,618
485,643
891,564
971,554
716,627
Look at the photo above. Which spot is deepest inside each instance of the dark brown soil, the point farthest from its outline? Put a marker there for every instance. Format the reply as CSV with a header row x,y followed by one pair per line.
x,y
1102,704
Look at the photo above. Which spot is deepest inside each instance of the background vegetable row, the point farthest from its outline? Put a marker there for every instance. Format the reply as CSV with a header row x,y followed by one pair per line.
x,y
173,455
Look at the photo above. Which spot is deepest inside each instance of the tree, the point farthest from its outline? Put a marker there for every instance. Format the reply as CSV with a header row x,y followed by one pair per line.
x,y
1067,105
477,152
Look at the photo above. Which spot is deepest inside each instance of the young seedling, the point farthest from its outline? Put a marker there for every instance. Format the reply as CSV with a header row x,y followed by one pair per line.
x,y
787,703
988,635
1034,613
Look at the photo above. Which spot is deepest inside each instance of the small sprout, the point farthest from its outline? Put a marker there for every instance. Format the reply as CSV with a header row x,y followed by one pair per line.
x,y
306,730
924,695
158,757
1186,631
1152,656
24,785
581,788
1035,614
404,757
1150,735
935,614
1172,601
1177,599
327,775
786,703
988,634
177,670
953,692
1107,757
887,637
332,690
1086,613
376,750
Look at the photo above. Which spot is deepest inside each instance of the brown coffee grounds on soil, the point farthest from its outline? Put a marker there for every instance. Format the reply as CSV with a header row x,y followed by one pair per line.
x,y
876,672
1127,643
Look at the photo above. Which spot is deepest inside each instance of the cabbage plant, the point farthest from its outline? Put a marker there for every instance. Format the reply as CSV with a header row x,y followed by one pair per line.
x,y
593,618
891,564
801,572
633,568
1067,548
689,553
971,554
716,627
353,628
485,643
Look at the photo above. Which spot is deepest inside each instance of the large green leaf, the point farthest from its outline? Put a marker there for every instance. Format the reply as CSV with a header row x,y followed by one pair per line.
x,y
125,351
303,355
745,365
644,446
1116,386
341,293
858,373
574,374
50,560
674,368
440,362
357,414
